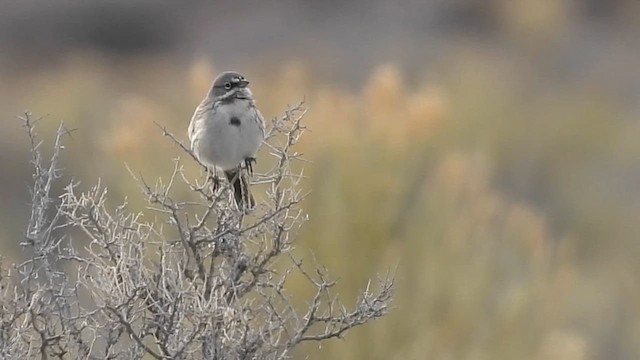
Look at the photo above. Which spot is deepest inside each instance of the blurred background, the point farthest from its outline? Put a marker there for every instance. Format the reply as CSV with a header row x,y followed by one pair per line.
x,y
488,149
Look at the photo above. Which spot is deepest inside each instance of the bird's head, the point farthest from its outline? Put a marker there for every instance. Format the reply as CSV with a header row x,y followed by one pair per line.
x,y
230,85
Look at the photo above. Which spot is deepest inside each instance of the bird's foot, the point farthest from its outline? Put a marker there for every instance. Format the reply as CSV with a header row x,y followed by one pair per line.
x,y
212,178
248,163
215,181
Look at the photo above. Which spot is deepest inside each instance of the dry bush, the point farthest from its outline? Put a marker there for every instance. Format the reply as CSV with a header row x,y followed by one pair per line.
x,y
201,281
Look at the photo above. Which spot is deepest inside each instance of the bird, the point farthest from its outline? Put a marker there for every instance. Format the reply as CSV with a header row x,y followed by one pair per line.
x,y
226,131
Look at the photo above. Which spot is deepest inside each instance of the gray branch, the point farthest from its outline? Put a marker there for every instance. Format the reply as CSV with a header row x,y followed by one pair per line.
x,y
198,282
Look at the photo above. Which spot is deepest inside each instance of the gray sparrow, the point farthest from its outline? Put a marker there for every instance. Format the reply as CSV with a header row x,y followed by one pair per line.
x,y
226,131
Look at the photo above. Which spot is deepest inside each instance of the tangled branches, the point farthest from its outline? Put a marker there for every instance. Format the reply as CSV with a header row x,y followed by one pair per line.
x,y
201,281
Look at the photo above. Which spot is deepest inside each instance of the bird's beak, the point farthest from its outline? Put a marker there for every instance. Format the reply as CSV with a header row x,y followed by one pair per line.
x,y
243,83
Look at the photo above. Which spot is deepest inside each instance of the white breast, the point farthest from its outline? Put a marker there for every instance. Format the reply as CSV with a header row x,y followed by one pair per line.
x,y
227,134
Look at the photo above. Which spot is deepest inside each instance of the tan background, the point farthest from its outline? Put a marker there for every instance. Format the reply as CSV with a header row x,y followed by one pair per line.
x,y
488,149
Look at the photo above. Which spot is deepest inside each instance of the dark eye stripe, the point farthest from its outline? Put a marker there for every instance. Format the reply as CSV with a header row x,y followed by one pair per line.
x,y
233,83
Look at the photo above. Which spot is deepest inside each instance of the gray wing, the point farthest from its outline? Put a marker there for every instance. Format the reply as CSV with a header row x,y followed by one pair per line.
x,y
199,115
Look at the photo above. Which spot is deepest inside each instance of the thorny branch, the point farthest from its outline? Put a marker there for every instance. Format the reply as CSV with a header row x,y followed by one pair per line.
x,y
199,281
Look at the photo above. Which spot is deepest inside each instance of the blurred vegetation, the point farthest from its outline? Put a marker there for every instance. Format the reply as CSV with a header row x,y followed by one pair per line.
x,y
506,197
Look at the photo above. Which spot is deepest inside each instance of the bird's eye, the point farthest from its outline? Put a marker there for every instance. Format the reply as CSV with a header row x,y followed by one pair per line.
x,y
227,85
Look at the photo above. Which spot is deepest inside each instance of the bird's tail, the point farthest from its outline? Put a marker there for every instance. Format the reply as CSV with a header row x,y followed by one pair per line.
x,y
241,191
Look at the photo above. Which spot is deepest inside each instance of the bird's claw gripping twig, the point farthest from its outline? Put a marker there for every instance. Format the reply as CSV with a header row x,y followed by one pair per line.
x,y
215,180
248,162
212,178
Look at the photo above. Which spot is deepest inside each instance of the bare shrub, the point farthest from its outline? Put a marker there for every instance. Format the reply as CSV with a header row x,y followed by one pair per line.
x,y
202,281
